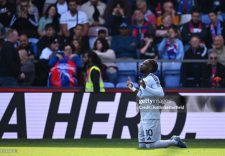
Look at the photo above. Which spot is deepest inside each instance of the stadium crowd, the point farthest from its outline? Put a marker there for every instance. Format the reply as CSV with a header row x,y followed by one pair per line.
x,y
76,43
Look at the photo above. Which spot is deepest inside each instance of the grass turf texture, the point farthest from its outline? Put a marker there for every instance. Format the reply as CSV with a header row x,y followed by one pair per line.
x,y
101,147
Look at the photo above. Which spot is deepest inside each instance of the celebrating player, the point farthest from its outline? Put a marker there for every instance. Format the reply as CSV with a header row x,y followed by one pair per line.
x,y
149,131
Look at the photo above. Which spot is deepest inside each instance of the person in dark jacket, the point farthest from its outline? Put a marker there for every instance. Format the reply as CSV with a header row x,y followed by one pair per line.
x,y
191,72
124,45
194,27
10,61
215,28
25,22
27,67
213,72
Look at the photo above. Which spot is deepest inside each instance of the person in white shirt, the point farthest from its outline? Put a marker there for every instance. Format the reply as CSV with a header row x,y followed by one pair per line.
x,y
50,50
94,10
149,131
73,17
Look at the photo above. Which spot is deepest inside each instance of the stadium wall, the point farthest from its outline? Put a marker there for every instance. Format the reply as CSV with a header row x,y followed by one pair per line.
x,y
58,114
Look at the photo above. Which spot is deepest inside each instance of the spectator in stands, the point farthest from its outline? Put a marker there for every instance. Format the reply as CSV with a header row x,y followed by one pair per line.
x,y
7,11
216,27
64,68
194,27
148,49
62,6
102,34
140,26
94,80
53,47
32,9
73,17
24,22
149,16
27,67
162,30
171,47
94,10
43,68
76,46
51,16
214,72
192,78
206,6
76,49
107,56
10,61
77,33
218,45
44,40
168,8
116,18
124,45
24,44
127,8
50,33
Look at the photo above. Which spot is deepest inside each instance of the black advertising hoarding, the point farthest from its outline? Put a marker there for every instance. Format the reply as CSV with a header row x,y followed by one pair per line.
x,y
60,115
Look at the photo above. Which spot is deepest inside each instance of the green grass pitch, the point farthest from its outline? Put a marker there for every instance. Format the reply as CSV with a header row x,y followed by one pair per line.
x,y
102,147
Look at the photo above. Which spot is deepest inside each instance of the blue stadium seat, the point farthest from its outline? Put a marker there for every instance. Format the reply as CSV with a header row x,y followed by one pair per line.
x,y
123,66
124,85
172,78
109,85
171,66
123,75
126,69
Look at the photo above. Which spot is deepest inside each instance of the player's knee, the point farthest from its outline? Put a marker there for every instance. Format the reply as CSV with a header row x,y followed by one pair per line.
x,y
142,145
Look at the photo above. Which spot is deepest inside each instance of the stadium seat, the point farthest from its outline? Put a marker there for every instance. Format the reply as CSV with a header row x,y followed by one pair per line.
x,y
124,85
109,85
124,66
171,66
172,78
126,69
123,75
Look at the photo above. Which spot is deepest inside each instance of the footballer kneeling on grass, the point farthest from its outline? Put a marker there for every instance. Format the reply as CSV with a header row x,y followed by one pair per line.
x,y
149,130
